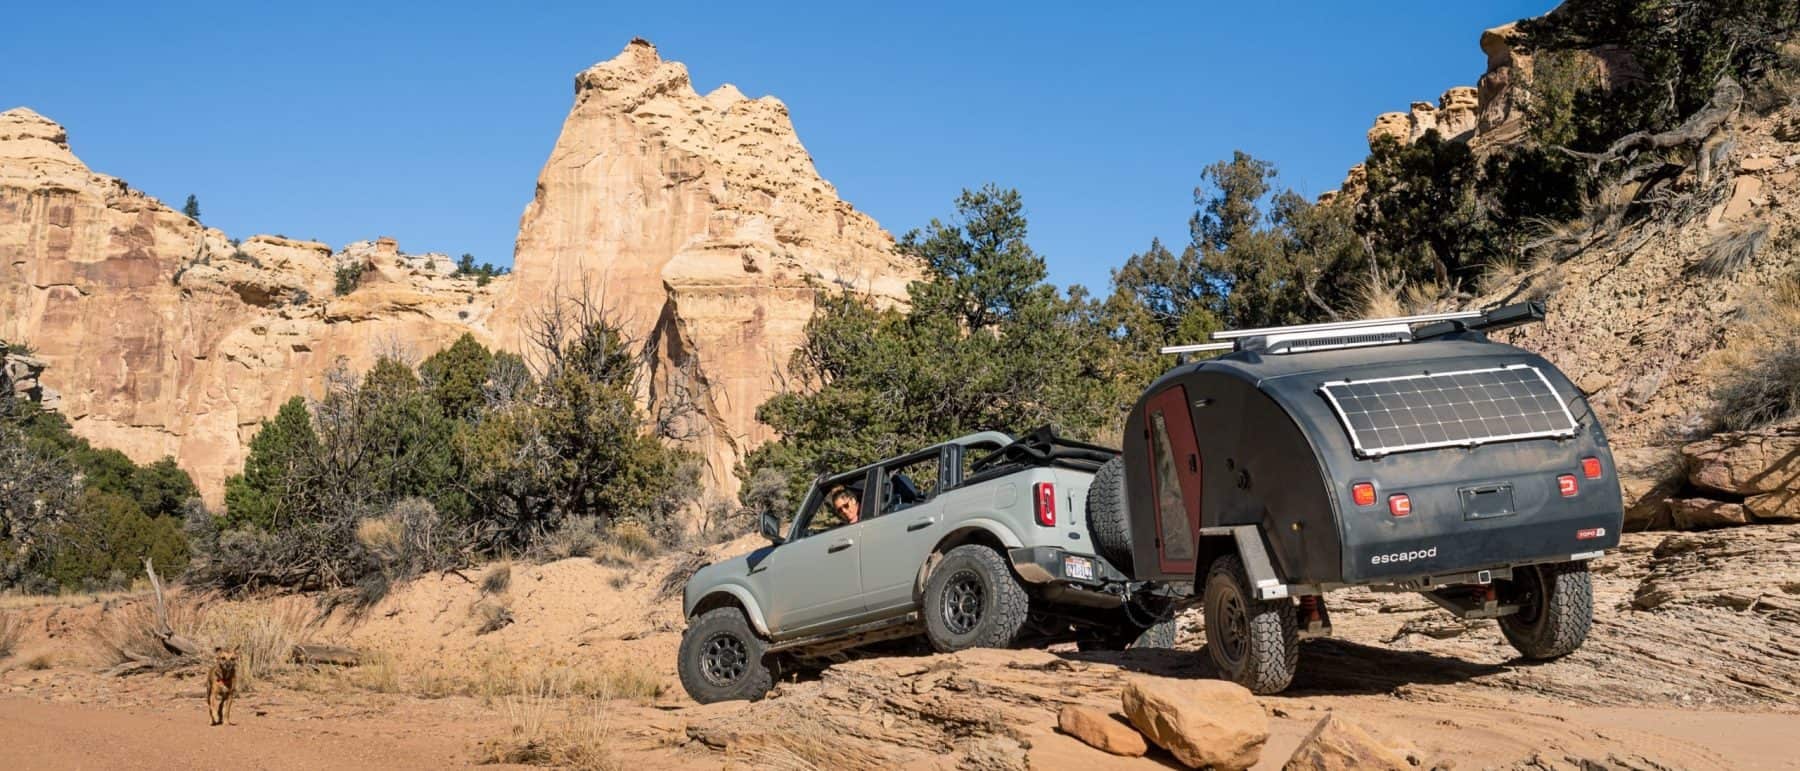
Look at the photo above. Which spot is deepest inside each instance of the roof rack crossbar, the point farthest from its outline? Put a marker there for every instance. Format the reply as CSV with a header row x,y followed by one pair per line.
x,y
1342,325
1197,348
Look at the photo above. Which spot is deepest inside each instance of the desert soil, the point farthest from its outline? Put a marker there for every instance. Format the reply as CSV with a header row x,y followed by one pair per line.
x,y
1694,662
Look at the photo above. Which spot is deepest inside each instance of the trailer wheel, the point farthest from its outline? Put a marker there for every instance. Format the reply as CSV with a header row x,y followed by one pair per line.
x,y
1556,609
1106,514
1255,642
972,600
721,658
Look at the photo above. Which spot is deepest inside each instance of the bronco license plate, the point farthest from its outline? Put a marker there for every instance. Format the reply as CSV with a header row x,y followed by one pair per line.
x,y
1078,567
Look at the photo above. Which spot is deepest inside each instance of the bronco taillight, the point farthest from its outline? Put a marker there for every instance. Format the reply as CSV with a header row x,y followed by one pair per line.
x,y
1044,496
1590,468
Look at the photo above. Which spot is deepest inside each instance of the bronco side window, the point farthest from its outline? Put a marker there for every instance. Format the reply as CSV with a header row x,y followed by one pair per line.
x,y
909,483
821,515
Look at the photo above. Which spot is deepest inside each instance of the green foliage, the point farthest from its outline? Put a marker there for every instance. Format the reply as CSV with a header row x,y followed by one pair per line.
x,y
985,344
191,208
455,376
276,470
347,277
75,517
465,266
107,539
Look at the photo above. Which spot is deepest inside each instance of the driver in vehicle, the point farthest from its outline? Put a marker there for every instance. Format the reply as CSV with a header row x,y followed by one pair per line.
x,y
845,503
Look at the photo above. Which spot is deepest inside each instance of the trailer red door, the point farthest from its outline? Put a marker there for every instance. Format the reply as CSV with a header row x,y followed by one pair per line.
x,y
1174,479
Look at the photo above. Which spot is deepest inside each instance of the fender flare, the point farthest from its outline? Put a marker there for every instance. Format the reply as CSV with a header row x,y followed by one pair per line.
x,y
989,525
744,598
1257,565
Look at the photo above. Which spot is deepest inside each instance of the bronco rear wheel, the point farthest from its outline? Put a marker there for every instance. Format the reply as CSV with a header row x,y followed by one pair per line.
x,y
972,600
1256,643
1556,609
722,658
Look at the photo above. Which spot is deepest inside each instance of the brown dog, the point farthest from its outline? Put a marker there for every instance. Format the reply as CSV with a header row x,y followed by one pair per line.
x,y
221,686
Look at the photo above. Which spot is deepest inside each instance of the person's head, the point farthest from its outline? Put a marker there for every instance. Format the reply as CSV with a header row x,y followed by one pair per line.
x,y
844,502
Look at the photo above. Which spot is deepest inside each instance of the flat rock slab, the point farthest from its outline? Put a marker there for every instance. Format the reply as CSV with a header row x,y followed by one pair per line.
x,y
1101,730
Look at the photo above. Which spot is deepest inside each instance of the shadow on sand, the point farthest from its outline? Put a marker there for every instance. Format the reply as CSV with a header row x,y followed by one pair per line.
x,y
1327,666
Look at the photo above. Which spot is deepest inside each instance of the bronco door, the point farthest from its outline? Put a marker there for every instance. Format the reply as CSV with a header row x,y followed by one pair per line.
x,y
814,581
906,526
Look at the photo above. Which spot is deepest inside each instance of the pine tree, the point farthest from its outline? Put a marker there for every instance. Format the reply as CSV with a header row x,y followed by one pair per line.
x,y
191,208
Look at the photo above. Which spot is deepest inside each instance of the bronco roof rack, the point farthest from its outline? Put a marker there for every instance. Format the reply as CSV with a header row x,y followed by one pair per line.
x,y
1301,338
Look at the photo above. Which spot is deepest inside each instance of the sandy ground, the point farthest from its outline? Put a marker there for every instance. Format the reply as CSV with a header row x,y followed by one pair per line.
x,y
1700,683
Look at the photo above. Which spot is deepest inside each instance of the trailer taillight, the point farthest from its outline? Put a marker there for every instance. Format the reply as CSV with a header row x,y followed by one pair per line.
x,y
1363,493
1399,505
1044,494
1590,468
1566,485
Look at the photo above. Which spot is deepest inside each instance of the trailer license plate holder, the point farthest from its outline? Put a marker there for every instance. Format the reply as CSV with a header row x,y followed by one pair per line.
x,y
1487,501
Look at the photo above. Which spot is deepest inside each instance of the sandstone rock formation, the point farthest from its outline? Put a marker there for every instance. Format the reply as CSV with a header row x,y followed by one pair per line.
x,y
1204,723
20,376
1340,744
704,224
166,338
1101,730
701,219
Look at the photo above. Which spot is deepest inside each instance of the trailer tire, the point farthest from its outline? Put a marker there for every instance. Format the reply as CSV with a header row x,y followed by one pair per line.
x,y
973,600
1107,522
723,659
1557,609
1256,643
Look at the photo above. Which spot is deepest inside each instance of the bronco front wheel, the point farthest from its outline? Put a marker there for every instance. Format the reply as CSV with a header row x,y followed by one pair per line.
x,y
722,658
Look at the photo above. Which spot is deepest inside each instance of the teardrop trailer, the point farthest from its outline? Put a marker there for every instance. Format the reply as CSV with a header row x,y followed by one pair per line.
x,y
1404,454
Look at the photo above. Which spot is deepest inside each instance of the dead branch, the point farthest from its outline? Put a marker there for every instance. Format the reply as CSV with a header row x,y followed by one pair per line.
x,y
1727,97
176,644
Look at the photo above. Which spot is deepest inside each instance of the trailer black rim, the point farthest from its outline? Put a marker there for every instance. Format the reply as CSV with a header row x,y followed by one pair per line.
x,y
1528,588
1234,627
724,658
963,597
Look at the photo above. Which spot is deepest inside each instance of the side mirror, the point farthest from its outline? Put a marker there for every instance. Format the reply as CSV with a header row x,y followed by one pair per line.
x,y
771,528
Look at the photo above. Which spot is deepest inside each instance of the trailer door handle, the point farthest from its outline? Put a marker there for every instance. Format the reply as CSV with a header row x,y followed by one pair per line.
x,y
840,545
921,524
1193,463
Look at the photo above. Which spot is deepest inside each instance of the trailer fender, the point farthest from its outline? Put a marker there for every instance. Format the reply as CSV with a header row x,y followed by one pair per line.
x,y
1248,543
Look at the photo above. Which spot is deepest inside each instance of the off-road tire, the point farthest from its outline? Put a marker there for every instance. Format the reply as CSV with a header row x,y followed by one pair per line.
x,y
1106,515
1161,635
1257,642
973,600
1557,609
718,639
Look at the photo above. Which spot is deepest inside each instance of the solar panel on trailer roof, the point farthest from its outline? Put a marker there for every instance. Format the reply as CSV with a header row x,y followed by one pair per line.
x,y
1449,409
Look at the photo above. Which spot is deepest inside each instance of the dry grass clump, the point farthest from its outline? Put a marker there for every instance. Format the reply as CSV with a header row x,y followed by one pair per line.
x,y
625,544
263,633
491,676
494,616
10,632
127,632
1757,373
498,579
1732,250
546,730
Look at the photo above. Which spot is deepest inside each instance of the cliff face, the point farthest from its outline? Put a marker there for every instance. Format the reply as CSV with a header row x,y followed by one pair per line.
x,y
701,221
705,226
1637,318
161,336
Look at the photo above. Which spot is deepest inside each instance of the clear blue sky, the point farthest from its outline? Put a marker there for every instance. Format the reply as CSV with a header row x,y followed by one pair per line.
x,y
429,122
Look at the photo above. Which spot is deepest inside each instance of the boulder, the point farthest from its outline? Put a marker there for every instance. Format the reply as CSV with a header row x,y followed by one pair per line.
x,y
1101,730
1341,744
1780,506
1648,477
1203,723
1703,514
1746,462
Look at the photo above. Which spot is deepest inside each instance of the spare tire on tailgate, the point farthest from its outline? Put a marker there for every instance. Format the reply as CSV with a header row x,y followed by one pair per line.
x,y
1106,515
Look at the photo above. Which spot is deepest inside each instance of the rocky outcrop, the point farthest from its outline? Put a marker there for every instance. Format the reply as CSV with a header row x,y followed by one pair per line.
x,y
165,337
705,226
1741,569
1203,723
699,220
20,374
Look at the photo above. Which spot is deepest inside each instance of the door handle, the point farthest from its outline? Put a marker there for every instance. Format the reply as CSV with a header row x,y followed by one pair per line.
x,y
921,524
839,545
